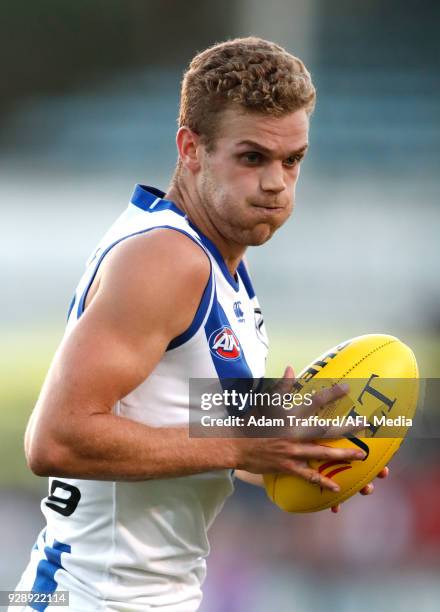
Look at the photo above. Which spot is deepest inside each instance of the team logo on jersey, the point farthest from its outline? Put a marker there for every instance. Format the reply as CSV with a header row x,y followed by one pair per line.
x,y
224,344
238,312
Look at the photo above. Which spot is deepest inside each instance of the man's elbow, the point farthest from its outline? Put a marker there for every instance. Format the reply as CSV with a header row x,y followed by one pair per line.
x,y
37,466
45,461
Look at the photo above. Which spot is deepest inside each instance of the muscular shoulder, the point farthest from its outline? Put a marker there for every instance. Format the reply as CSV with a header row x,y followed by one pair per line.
x,y
155,278
166,251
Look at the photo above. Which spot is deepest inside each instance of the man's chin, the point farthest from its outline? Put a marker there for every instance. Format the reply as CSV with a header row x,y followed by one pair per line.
x,y
259,235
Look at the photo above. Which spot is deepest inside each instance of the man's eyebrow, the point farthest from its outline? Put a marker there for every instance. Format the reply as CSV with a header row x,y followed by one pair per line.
x,y
263,149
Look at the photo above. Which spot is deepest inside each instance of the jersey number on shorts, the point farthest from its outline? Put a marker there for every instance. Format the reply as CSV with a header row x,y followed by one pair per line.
x,y
63,505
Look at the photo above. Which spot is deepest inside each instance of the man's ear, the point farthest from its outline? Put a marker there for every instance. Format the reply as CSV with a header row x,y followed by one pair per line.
x,y
188,144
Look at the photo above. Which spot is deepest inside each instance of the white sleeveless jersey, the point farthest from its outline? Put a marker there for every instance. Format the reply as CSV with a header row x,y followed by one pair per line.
x,y
139,546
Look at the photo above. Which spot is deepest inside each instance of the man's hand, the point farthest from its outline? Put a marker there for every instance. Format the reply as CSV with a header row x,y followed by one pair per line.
x,y
367,490
289,456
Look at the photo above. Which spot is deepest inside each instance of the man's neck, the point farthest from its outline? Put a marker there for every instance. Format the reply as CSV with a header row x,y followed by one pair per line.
x,y
187,200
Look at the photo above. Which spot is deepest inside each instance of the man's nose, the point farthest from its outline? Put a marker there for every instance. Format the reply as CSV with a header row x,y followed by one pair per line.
x,y
272,178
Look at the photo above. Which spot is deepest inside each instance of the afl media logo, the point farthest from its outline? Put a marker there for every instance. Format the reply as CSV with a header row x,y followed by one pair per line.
x,y
224,344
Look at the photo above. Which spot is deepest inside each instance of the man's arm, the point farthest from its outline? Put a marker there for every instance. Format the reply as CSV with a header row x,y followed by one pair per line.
x,y
254,479
147,294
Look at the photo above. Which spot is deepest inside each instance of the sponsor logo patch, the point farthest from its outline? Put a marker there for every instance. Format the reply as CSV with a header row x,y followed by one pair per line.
x,y
224,344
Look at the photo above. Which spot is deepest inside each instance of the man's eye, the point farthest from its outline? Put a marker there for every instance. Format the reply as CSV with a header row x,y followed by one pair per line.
x,y
253,157
292,160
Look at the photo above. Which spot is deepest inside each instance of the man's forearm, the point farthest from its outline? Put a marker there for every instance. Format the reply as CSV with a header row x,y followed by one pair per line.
x,y
109,447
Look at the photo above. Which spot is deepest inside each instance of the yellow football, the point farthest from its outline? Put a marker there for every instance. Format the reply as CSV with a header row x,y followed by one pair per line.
x,y
382,375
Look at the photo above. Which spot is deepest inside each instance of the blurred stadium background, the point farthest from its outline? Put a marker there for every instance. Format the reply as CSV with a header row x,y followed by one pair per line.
x,y
88,101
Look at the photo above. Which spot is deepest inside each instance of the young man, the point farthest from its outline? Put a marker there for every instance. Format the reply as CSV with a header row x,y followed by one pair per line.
x,y
131,496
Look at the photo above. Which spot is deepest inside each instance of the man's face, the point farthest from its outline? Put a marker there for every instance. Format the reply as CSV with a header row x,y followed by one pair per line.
x,y
246,184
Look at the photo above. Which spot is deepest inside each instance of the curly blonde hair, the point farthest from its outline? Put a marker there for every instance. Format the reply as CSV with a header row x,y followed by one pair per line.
x,y
255,74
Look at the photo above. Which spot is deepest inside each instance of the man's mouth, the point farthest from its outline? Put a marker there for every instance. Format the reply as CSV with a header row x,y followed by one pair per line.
x,y
268,207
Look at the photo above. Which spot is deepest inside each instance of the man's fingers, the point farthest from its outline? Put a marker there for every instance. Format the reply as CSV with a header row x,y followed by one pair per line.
x,y
335,432
319,451
321,398
289,373
314,477
329,394
367,490
384,472
285,384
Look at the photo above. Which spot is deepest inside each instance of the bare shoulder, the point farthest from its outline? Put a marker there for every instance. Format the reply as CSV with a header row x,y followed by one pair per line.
x,y
158,276
167,250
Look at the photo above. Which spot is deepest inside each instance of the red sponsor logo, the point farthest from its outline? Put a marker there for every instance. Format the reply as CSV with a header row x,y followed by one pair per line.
x,y
224,344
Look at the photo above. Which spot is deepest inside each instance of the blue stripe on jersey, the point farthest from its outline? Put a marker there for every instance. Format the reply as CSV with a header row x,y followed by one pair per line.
x,y
72,304
151,199
218,257
244,275
202,308
228,358
45,580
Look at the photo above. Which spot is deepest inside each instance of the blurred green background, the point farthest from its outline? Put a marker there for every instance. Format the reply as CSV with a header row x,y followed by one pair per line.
x,y
88,106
